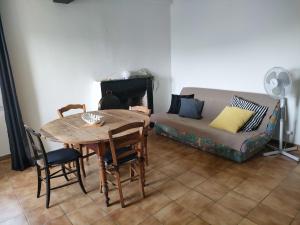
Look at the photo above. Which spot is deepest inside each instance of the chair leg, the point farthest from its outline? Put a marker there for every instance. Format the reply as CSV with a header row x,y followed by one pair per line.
x,y
146,149
120,188
141,177
39,174
64,172
101,186
82,162
131,172
79,176
87,152
47,172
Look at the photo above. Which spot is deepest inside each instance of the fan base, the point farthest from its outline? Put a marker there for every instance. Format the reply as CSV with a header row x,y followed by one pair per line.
x,y
283,152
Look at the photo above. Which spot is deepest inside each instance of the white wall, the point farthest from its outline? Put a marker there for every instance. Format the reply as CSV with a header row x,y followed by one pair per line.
x,y
57,51
4,144
232,44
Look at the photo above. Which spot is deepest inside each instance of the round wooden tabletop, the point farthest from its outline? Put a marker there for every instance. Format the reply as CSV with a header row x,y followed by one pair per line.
x,y
72,129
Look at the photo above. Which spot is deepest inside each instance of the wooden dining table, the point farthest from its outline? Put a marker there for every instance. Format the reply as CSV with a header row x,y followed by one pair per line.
x,y
73,130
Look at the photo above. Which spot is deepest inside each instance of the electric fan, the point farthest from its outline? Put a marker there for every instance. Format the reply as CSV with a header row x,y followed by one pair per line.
x,y
277,83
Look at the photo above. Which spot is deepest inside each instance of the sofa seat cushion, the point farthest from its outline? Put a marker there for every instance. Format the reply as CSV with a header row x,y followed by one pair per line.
x,y
201,128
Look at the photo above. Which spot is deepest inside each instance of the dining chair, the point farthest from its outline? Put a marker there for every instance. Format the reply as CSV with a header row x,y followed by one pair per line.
x,y
126,147
61,113
46,161
146,111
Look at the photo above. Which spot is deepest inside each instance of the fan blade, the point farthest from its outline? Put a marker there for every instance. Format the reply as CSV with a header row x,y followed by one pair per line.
x,y
270,77
277,91
284,78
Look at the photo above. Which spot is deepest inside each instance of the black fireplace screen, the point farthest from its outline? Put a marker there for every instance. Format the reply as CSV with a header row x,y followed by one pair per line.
x,y
127,92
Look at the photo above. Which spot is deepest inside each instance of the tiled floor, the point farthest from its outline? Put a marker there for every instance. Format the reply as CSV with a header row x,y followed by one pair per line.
x,y
184,186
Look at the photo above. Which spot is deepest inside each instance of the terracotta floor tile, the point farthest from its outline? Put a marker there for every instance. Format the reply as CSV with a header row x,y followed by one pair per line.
x,y
30,202
182,185
174,214
211,189
190,179
154,202
296,220
183,163
264,215
131,215
75,203
88,214
247,222
265,180
241,170
204,170
8,198
252,190
194,201
273,170
18,220
172,170
5,186
227,179
291,182
151,221
155,178
173,189
63,220
22,192
106,220
284,201
219,215
297,169
42,215
197,221
237,203
10,211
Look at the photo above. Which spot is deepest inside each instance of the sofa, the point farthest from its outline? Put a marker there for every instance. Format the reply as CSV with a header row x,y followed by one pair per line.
x,y
237,147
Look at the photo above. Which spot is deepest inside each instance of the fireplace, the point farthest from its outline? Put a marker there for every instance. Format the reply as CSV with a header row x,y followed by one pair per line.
x,y
127,92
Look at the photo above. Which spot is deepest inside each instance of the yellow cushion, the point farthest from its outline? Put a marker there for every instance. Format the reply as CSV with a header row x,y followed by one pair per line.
x,y
231,119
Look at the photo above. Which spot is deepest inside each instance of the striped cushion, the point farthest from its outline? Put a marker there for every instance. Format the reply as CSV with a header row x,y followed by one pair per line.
x,y
260,112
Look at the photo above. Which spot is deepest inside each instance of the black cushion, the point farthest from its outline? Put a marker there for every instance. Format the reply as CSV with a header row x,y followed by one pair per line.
x,y
176,101
108,157
191,108
63,155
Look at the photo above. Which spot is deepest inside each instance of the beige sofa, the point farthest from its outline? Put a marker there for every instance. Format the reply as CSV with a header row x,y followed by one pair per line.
x,y
238,147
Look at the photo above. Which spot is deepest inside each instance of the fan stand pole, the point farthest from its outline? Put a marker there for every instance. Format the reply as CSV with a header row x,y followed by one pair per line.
x,y
281,150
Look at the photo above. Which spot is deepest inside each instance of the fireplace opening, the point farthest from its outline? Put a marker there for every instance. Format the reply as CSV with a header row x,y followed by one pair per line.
x,y
120,94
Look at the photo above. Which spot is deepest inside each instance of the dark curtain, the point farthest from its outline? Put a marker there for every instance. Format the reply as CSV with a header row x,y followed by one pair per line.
x,y
19,148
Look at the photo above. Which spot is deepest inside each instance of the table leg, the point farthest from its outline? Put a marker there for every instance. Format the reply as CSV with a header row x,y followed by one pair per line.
x,y
102,173
82,161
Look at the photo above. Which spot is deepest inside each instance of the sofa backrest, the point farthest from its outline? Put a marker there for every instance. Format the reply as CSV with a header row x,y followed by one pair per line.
x,y
215,100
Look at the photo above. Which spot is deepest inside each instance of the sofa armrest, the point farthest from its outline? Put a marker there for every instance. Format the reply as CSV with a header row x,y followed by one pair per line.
x,y
255,142
273,119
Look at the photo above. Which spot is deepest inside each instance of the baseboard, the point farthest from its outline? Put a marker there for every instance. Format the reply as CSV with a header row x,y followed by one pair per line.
x,y
5,157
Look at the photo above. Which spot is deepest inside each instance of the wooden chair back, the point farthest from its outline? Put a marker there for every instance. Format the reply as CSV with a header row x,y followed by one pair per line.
x,y
130,135
66,108
142,109
37,145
